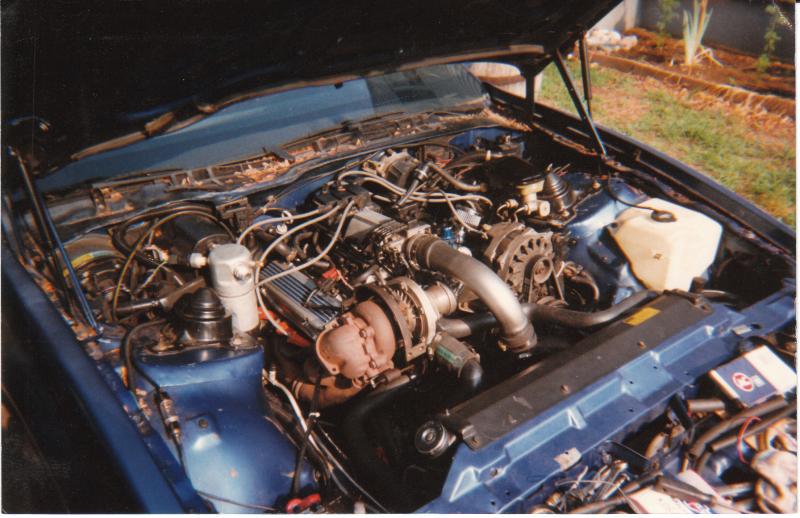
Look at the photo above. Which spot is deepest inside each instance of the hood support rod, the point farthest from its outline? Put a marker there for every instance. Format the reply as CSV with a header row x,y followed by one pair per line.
x,y
586,117
530,91
586,74
48,232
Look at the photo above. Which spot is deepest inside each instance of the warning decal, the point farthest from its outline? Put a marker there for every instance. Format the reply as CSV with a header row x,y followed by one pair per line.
x,y
641,316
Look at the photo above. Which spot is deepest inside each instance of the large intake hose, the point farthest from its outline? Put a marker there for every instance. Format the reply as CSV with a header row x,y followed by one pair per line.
x,y
434,254
477,322
362,453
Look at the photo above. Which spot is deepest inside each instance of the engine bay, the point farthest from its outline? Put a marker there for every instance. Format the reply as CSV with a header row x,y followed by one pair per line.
x,y
399,330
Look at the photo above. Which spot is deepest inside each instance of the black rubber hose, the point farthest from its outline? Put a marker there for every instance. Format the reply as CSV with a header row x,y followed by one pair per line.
x,y
455,182
471,376
540,313
290,424
757,428
137,306
719,429
586,280
310,422
140,242
126,353
469,381
297,243
582,320
363,456
467,158
730,440
166,302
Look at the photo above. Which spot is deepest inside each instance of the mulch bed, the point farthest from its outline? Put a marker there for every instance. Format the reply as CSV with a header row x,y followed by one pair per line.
x,y
734,95
733,68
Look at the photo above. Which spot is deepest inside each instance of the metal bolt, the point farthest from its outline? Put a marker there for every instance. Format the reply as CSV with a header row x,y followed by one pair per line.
x,y
242,273
429,435
565,389
642,345
202,423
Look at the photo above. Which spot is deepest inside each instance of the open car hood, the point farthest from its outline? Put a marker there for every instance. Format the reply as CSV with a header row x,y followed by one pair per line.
x,y
75,75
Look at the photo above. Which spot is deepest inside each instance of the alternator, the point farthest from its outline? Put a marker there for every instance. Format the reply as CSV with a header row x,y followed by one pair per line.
x,y
524,258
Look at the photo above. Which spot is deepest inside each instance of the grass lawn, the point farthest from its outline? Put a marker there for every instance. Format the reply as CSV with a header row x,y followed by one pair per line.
x,y
750,153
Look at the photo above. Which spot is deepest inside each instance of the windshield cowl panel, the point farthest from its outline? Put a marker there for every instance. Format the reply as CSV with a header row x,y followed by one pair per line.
x,y
248,128
103,202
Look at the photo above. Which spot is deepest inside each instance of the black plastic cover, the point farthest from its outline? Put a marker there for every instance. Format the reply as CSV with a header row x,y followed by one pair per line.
x,y
495,412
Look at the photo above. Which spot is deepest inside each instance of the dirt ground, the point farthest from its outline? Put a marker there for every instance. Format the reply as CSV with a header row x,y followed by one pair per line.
x,y
727,66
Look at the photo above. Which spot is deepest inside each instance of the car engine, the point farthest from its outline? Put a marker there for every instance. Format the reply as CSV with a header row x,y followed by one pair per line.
x,y
341,342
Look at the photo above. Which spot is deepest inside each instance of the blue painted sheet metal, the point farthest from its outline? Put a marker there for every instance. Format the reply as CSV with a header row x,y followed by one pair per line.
x,y
148,483
160,447
233,446
507,475
594,248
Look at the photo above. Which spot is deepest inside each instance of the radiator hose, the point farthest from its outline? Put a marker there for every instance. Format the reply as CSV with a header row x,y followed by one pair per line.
x,y
477,322
362,452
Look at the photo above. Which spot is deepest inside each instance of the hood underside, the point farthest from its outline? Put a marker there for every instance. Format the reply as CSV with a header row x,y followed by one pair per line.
x,y
96,71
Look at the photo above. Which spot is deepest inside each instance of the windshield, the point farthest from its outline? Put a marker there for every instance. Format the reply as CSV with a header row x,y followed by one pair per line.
x,y
249,127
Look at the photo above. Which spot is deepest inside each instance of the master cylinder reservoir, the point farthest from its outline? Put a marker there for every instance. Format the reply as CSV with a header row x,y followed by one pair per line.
x,y
666,255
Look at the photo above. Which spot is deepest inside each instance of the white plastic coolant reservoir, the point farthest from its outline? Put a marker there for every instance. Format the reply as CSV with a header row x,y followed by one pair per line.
x,y
667,255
